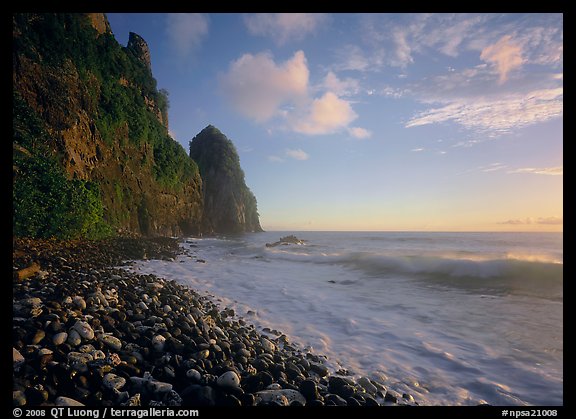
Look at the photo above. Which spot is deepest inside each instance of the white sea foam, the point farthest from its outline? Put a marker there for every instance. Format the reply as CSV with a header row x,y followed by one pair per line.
x,y
451,318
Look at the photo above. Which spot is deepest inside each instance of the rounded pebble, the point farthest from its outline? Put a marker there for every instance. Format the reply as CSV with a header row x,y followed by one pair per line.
x,y
59,338
67,401
113,382
229,379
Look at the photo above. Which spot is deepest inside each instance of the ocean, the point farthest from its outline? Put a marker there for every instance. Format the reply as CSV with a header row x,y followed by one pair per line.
x,y
450,318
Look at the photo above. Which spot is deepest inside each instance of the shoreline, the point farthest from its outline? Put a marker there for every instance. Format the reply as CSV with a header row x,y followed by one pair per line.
x,y
87,331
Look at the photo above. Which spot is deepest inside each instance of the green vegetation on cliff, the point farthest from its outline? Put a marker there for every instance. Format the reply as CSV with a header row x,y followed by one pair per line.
x,y
45,202
91,127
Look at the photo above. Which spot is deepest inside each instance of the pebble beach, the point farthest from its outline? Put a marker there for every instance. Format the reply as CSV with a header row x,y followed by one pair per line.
x,y
87,332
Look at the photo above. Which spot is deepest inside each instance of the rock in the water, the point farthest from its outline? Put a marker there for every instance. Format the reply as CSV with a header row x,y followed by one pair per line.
x,y
391,396
67,401
113,382
291,239
367,385
229,380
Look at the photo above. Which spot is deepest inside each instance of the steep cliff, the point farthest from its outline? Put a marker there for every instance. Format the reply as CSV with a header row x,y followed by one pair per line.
x,y
229,205
92,154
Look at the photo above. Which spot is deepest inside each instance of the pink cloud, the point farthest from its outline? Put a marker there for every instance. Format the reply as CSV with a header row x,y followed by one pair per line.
x,y
504,55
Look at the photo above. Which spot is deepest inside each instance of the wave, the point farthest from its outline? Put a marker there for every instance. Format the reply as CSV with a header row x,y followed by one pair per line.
x,y
516,274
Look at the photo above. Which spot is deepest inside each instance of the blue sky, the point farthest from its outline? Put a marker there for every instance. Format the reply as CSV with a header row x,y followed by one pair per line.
x,y
438,122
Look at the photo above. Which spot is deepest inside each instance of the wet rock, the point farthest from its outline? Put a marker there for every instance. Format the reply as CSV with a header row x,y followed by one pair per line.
x,y
367,385
408,397
309,389
267,345
319,369
391,396
341,386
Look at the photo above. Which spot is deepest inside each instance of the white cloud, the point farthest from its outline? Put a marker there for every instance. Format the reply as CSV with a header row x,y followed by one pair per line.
x,y
393,92
275,159
417,150
505,55
284,27
346,87
325,115
399,40
352,58
498,114
264,91
297,154
258,87
359,133
551,171
186,30
494,167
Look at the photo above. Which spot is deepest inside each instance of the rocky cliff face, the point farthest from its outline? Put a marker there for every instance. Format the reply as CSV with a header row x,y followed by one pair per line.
x,y
98,105
229,205
91,150
140,49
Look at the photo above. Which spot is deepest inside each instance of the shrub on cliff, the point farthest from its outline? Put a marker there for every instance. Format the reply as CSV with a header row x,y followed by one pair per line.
x,y
46,203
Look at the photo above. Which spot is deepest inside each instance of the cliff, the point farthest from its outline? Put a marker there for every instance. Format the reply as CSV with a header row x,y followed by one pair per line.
x,y
92,155
229,205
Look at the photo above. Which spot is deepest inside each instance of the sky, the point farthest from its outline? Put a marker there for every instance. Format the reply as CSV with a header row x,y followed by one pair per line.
x,y
380,122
